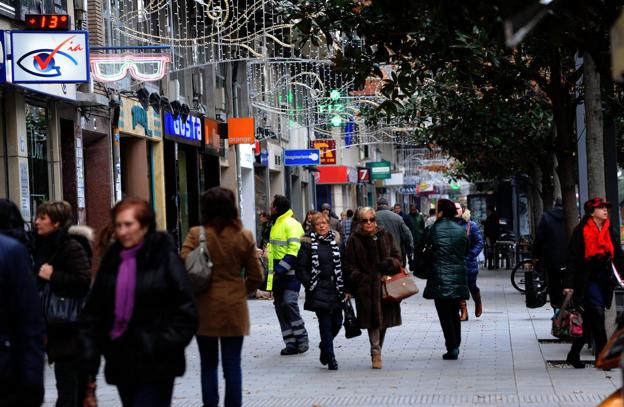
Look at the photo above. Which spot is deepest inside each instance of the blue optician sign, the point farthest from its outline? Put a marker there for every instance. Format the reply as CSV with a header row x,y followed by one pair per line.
x,y
178,130
302,157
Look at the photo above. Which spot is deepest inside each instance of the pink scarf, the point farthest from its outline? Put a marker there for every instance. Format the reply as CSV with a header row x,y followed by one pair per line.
x,y
125,291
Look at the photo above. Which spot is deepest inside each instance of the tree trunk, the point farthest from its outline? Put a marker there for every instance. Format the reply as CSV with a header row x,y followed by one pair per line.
x,y
594,128
536,203
548,185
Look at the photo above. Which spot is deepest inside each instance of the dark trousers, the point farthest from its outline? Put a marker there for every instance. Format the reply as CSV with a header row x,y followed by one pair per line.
x,y
287,310
448,313
593,326
71,384
231,347
555,286
329,326
157,394
472,284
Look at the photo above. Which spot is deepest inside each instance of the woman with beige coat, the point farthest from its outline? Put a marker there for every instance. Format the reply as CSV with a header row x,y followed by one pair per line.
x,y
223,312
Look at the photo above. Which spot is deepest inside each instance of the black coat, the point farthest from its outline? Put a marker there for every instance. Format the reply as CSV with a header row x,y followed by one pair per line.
x,y
579,271
163,322
325,296
67,255
21,329
551,242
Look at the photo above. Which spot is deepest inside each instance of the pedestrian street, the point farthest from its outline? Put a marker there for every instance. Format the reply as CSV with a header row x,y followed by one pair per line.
x,y
501,362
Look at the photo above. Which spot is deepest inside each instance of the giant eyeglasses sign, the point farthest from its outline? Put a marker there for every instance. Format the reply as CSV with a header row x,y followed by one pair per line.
x,y
50,57
142,67
178,130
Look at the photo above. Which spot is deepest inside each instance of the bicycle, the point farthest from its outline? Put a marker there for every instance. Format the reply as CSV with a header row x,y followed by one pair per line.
x,y
517,274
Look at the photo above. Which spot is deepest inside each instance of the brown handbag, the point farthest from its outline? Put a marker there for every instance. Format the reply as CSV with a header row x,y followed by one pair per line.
x,y
398,287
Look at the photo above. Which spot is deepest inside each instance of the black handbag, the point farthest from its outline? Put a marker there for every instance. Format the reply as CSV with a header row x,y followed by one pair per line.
x,y
536,289
421,264
59,310
352,328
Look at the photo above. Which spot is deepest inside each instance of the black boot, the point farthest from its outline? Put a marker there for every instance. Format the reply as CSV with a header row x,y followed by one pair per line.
x,y
333,365
323,357
575,361
289,350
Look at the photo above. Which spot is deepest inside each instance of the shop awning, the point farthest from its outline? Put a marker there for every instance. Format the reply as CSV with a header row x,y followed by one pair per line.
x,y
336,174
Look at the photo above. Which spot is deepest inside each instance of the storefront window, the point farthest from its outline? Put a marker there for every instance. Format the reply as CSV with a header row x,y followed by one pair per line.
x,y
37,136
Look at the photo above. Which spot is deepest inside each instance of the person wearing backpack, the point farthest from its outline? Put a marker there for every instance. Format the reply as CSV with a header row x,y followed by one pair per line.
x,y
62,262
222,306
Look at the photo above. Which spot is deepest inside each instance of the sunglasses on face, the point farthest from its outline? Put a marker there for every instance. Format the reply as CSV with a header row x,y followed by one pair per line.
x,y
368,220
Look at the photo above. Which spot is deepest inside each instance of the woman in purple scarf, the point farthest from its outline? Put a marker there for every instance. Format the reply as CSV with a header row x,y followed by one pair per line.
x,y
140,314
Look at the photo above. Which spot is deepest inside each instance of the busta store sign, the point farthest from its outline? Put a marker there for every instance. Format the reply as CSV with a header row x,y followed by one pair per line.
x,y
179,130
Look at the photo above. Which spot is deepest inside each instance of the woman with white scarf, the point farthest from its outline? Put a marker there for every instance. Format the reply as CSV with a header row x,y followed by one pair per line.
x,y
319,269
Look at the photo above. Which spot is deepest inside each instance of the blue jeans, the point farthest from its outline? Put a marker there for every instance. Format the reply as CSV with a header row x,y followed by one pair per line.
x,y
157,394
329,326
231,347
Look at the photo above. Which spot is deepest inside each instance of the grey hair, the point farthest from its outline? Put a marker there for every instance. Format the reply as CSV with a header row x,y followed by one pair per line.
x,y
363,210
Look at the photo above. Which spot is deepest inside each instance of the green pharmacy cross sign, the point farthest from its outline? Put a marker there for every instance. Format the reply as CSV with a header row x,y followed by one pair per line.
x,y
379,170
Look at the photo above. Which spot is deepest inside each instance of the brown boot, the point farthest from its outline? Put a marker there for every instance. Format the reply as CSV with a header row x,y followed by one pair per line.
x,y
478,304
464,310
376,360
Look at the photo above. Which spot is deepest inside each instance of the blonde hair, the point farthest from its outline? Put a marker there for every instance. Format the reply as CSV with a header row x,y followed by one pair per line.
x,y
318,216
466,215
364,210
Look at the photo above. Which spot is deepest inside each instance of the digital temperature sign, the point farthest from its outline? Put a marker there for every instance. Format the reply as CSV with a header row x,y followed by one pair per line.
x,y
51,22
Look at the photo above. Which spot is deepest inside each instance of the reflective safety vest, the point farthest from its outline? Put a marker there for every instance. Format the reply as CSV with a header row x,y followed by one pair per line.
x,y
284,240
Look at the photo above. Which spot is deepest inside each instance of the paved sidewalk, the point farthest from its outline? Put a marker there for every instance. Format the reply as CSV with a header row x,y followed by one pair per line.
x,y
501,363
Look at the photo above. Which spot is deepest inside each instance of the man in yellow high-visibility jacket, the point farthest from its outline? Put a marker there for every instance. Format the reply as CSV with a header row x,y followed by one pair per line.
x,y
282,250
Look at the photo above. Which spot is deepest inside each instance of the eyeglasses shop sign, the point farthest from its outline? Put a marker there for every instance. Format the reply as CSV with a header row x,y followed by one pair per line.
x,y
190,132
47,57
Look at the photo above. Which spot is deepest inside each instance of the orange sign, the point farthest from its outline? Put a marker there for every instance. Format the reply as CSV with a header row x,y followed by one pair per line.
x,y
241,130
211,134
328,150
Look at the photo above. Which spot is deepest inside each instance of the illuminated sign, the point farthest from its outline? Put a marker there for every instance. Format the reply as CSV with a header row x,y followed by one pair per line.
x,y
142,67
178,130
50,57
241,130
328,150
52,22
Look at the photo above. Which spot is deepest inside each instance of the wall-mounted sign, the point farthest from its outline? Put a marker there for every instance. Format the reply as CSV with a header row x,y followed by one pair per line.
x,y
142,67
50,57
363,175
302,157
51,22
379,170
328,150
178,130
240,130
212,139
136,121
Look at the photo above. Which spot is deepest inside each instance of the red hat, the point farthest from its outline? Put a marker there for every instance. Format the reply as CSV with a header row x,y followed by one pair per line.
x,y
596,203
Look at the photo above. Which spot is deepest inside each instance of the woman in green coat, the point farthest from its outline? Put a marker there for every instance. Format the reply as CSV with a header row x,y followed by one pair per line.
x,y
448,283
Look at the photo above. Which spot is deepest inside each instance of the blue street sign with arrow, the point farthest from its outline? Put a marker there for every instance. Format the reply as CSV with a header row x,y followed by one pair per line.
x,y
302,157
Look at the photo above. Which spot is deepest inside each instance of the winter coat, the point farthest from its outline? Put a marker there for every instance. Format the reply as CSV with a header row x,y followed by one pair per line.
x,y
579,272
551,243
163,321
325,296
223,307
22,329
68,251
448,279
364,255
418,227
475,245
394,224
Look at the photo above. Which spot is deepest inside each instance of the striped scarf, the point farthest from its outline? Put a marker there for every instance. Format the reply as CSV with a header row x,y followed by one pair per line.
x,y
316,264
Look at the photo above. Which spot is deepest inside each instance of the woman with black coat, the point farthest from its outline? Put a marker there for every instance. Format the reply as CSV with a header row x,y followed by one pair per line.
x,y
594,247
319,269
62,263
140,314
